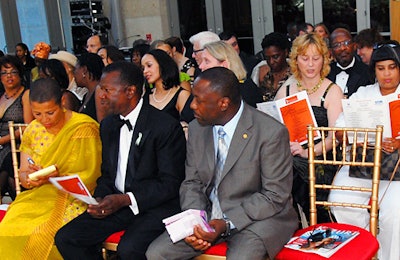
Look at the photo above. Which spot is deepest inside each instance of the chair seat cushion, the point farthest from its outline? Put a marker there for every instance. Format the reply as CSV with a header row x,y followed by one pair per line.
x,y
363,246
116,237
2,214
218,249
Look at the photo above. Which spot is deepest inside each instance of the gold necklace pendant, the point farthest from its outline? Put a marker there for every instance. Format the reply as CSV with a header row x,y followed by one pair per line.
x,y
311,90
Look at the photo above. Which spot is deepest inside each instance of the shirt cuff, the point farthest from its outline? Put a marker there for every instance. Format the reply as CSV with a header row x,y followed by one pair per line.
x,y
134,207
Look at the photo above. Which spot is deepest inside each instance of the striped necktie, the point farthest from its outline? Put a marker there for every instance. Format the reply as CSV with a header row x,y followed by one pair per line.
x,y
216,212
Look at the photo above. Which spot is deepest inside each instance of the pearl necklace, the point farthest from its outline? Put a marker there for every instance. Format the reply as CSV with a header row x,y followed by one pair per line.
x,y
163,99
312,90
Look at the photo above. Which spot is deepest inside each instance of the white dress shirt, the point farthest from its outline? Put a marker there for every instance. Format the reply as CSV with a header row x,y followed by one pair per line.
x,y
125,140
343,77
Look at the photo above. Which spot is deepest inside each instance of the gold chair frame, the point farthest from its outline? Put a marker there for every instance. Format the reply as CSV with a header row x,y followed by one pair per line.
x,y
346,155
16,131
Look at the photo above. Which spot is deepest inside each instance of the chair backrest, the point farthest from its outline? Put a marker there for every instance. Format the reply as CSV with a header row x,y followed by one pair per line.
x,y
16,131
344,153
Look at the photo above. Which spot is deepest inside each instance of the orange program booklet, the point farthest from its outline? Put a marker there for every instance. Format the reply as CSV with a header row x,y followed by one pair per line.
x,y
73,185
394,108
296,113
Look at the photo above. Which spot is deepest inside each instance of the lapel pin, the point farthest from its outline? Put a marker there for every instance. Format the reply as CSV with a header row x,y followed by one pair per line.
x,y
245,136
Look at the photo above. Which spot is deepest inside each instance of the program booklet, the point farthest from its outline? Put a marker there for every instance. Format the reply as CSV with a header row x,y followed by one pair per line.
x,y
181,225
324,241
369,113
73,185
295,113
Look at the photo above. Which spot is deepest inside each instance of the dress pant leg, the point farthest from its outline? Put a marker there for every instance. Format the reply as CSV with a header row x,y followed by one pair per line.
x,y
81,238
245,245
163,249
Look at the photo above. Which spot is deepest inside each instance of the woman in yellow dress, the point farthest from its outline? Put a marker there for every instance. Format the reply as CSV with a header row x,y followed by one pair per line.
x,y
58,137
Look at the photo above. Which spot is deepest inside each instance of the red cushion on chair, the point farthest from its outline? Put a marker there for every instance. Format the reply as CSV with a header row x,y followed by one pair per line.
x,y
2,214
116,237
218,249
363,246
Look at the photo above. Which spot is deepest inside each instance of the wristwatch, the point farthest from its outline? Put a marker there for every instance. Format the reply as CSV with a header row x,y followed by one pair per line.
x,y
227,232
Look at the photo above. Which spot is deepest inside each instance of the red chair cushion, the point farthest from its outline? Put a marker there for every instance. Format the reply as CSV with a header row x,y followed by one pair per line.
x,y
218,249
2,214
116,237
363,246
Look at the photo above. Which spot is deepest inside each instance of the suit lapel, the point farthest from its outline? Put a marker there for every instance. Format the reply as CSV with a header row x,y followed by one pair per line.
x,y
139,136
239,141
210,151
114,145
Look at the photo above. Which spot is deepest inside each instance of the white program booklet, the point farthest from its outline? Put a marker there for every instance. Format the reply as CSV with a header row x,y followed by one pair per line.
x,y
368,113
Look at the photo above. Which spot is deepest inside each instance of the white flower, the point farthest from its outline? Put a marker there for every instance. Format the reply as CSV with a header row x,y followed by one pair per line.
x,y
137,142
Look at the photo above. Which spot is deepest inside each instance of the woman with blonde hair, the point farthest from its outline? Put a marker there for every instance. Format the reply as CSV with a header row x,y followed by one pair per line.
x,y
309,63
222,54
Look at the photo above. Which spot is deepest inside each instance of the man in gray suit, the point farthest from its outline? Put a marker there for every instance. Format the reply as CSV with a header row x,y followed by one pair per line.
x,y
253,189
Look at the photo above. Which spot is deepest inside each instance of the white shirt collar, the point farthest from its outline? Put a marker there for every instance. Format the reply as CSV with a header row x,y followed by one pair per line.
x,y
348,66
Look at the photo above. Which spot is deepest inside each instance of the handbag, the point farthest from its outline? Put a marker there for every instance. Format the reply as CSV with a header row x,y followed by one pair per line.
x,y
388,164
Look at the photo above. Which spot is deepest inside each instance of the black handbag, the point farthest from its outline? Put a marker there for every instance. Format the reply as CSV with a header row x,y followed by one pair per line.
x,y
388,163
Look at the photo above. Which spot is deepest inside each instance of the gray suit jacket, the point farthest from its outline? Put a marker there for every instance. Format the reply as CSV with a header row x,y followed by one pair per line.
x,y
256,183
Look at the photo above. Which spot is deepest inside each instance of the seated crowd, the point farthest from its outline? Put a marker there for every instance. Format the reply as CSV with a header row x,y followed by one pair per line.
x,y
163,133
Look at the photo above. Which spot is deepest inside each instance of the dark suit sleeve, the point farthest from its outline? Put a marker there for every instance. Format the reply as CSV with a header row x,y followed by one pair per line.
x,y
161,168
106,182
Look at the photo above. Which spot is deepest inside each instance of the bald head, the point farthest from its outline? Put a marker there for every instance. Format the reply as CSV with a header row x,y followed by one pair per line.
x,y
343,47
93,44
339,31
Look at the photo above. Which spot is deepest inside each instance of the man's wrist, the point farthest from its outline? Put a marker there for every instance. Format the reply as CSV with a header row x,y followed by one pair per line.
x,y
227,232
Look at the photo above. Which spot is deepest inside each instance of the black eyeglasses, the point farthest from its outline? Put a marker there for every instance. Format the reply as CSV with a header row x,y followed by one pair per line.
x,y
11,73
340,44
196,51
378,46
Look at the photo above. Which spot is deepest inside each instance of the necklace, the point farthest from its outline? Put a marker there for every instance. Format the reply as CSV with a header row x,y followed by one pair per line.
x,y
8,97
163,99
312,90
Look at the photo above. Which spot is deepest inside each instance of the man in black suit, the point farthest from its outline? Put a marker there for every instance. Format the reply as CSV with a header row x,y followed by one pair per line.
x,y
348,71
143,166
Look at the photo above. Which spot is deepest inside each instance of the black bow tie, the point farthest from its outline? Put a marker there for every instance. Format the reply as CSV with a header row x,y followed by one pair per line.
x,y
127,123
348,70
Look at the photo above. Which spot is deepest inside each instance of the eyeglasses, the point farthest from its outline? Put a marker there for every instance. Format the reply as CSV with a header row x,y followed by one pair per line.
x,y
337,45
196,51
11,73
376,46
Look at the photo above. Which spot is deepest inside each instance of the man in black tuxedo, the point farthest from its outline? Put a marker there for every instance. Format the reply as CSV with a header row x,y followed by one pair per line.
x,y
348,71
143,166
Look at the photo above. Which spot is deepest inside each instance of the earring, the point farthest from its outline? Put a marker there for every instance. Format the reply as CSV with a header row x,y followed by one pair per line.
x,y
84,75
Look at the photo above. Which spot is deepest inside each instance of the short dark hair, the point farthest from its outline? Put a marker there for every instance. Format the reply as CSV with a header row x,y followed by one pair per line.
x,y
142,48
113,53
175,42
368,38
93,63
385,52
224,82
168,68
276,39
13,61
129,74
226,35
44,90
55,69
24,47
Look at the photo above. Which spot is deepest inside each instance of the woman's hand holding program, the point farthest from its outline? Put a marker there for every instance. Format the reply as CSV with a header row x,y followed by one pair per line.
x,y
390,144
297,149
